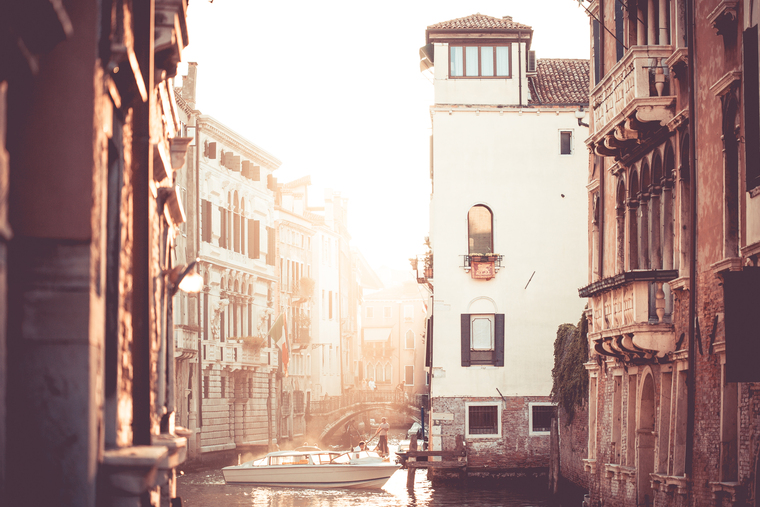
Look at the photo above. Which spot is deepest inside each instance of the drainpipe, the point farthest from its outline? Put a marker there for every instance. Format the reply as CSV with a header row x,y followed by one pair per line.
x,y
204,294
691,386
519,66
143,14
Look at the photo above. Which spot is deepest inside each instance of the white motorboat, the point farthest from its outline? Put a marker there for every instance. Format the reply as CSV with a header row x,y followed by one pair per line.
x,y
314,469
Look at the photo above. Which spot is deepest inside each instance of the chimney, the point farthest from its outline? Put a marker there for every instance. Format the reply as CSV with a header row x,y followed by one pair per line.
x,y
188,84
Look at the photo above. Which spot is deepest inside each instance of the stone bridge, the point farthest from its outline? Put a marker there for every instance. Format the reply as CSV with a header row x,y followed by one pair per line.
x,y
329,416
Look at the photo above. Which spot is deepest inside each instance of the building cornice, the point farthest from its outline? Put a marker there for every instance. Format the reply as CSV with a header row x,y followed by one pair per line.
x,y
230,138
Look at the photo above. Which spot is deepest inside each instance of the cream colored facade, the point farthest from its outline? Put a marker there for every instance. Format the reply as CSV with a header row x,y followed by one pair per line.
x,y
496,150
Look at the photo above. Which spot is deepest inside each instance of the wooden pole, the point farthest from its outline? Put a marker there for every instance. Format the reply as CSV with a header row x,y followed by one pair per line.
x,y
410,470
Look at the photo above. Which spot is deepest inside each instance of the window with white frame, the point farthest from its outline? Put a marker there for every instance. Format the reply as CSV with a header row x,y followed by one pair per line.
x,y
408,313
483,419
565,142
540,415
387,312
475,61
370,312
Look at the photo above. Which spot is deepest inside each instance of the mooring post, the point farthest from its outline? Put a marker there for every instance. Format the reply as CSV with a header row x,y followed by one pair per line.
x,y
410,469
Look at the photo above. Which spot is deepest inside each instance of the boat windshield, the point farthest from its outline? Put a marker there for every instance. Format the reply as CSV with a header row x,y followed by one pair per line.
x,y
290,459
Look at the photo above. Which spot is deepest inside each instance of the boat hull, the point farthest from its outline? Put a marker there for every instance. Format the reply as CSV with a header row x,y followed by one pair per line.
x,y
312,476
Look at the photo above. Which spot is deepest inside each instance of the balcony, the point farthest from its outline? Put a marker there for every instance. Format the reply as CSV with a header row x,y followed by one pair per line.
x,y
636,96
631,315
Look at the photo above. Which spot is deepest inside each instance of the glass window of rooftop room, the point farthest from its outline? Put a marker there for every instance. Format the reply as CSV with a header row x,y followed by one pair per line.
x,y
502,61
565,142
471,61
486,61
479,221
457,61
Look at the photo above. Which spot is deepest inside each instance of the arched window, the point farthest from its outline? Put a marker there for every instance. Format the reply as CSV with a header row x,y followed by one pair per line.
x,y
242,226
655,213
409,339
633,226
480,230
387,376
620,227
236,222
644,258
668,215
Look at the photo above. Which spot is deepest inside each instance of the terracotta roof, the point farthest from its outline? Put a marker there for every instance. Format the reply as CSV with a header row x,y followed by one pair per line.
x,y
559,81
479,22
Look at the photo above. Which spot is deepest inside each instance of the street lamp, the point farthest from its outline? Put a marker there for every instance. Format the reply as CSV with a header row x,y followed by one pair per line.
x,y
579,115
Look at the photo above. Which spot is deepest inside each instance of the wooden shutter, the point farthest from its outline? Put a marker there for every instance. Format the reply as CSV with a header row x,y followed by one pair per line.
x,y
429,342
498,340
465,339
270,246
741,299
236,231
246,168
751,108
211,150
253,239
256,173
597,51
223,232
206,221
235,163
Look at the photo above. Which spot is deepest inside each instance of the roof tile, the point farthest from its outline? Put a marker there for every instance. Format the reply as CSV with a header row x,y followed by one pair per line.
x,y
479,21
560,81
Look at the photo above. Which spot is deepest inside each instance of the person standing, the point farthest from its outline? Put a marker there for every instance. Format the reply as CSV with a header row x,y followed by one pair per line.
x,y
382,430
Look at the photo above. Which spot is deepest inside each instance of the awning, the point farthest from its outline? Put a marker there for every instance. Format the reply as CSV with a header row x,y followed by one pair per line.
x,y
377,334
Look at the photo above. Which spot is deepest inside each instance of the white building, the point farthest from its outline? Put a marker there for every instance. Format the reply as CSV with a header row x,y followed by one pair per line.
x,y
509,173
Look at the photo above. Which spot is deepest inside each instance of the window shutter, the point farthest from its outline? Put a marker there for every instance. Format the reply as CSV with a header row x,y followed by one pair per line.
x,y
235,159
236,231
246,168
206,221
619,35
429,342
751,108
498,340
465,339
270,246
256,173
253,239
741,297
211,150
597,51
223,232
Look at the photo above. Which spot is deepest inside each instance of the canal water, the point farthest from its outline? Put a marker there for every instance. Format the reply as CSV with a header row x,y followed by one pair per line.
x,y
206,488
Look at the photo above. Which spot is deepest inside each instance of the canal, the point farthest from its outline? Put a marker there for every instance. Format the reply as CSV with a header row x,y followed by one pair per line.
x,y
206,488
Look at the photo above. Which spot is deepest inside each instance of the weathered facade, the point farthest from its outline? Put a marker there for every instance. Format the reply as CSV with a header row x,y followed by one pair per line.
x,y
673,243
225,363
90,145
507,171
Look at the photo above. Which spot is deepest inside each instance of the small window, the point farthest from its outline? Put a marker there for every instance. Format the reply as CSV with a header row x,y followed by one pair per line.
x,y
387,312
541,418
566,142
370,312
223,387
205,386
483,420
408,313
480,224
409,339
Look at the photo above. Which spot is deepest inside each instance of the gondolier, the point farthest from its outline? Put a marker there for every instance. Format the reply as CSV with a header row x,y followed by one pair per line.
x,y
382,430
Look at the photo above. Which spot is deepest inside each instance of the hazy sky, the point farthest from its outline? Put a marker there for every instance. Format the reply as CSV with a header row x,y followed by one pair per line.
x,y
333,90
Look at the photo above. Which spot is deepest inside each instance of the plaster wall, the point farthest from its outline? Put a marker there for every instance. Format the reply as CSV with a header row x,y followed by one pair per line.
x,y
510,162
479,91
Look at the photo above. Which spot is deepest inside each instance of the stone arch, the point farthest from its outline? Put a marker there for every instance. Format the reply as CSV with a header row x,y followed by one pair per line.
x,y
633,227
645,441
482,304
645,183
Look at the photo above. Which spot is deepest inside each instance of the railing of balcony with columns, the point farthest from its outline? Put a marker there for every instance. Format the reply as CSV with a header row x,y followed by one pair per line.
x,y
640,74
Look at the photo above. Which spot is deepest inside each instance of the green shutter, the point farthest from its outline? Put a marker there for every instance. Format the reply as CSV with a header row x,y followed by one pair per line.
x,y
465,339
498,340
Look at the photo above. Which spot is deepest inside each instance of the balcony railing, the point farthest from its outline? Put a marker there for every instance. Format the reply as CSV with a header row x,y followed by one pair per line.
x,y
636,91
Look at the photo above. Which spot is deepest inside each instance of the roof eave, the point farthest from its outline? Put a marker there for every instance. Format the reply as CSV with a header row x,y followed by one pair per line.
x,y
446,34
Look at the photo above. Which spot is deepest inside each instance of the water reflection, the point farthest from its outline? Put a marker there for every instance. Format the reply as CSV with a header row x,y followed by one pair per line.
x,y
208,489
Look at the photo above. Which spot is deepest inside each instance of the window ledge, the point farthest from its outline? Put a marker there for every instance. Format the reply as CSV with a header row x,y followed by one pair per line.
x,y
727,264
733,489
589,465
664,482
132,470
